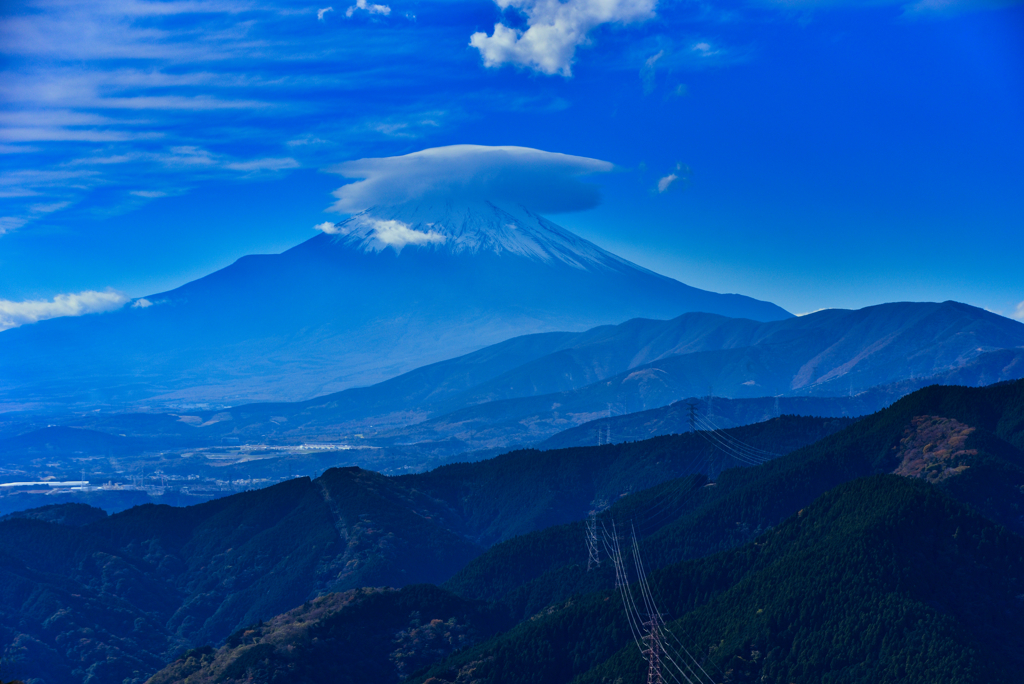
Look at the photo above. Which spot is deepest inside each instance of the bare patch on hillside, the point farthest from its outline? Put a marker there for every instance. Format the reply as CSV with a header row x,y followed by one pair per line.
x,y
932,449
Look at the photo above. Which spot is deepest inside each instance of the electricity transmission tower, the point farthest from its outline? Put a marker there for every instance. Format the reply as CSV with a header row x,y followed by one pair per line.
x,y
594,558
652,650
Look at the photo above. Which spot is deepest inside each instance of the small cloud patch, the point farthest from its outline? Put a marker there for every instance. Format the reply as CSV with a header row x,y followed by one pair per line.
x,y
14,314
364,6
269,164
397,235
377,234
1018,312
679,177
554,30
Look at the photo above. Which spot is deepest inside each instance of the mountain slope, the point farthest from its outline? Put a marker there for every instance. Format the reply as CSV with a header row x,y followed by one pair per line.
x,y
966,441
193,575
883,579
363,635
337,312
868,557
528,388
985,369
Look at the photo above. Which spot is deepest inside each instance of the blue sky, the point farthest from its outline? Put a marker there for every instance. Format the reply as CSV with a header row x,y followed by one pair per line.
x,y
825,154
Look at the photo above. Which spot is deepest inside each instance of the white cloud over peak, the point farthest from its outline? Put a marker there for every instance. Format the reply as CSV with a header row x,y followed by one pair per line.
x,y
14,314
379,234
363,5
397,234
546,182
554,30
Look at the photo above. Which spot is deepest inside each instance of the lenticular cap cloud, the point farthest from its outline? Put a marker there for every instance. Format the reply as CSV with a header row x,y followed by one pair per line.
x,y
545,182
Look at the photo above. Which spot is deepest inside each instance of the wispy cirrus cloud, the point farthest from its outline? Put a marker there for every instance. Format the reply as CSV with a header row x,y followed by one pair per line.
x,y
268,164
179,92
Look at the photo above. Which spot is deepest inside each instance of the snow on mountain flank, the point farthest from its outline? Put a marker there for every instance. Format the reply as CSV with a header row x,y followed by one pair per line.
x,y
469,228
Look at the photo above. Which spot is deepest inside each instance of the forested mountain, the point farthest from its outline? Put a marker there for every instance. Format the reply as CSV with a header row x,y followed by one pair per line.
x,y
960,443
824,596
355,637
789,600
882,579
122,594
112,599
966,441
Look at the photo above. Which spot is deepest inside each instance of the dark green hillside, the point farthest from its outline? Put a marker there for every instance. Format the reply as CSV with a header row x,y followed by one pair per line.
x,y
139,585
526,490
746,501
362,635
75,514
884,579
196,574
558,555
116,597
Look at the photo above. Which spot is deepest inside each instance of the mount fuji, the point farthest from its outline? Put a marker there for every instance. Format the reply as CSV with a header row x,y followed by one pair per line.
x,y
387,290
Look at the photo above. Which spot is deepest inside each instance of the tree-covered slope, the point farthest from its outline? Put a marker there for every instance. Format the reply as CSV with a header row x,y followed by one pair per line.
x,y
193,575
884,579
961,439
527,490
362,635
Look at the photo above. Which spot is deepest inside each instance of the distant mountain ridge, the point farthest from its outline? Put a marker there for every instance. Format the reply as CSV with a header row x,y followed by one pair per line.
x,y
528,388
367,300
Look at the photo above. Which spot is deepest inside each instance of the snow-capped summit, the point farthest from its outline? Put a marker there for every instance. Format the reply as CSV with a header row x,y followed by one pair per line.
x,y
390,289
469,228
